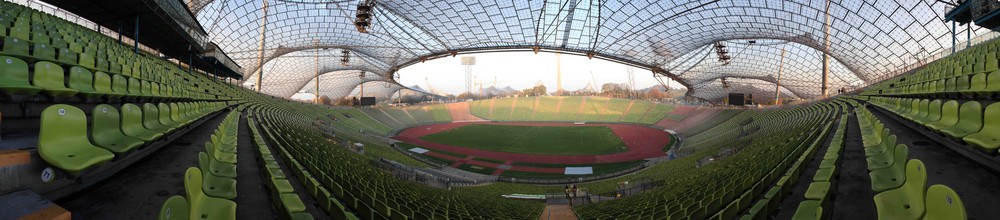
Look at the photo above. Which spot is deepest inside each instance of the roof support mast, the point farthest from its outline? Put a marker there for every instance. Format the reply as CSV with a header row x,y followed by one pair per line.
x,y
777,82
317,71
260,53
826,55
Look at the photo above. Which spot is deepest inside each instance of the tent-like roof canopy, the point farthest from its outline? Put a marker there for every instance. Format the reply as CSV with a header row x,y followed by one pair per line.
x,y
868,40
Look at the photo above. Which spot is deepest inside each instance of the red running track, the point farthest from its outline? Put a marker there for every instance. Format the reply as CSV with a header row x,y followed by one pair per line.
x,y
642,143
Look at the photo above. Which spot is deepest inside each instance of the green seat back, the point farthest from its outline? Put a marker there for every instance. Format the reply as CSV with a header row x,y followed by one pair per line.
x,y
151,117
155,89
50,76
87,60
119,84
933,112
970,120
146,89
44,51
107,130
81,79
175,113
943,203
15,46
961,83
949,115
67,56
14,77
102,83
175,208
165,114
202,206
978,82
134,87
63,142
19,31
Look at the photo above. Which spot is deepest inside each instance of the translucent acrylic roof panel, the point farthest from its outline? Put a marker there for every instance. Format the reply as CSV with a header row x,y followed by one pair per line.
x,y
868,40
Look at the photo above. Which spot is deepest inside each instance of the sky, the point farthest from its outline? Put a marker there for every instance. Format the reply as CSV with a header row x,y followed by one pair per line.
x,y
521,70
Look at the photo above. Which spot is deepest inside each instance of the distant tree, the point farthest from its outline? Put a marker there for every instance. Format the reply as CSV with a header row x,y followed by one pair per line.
x,y
539,90
325,100
465,95
343,102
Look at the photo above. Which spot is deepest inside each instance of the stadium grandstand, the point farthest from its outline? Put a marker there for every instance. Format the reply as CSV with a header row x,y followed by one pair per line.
x,y
758,109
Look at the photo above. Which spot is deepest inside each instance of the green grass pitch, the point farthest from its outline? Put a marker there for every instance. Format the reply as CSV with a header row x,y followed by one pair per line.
x,y
548,140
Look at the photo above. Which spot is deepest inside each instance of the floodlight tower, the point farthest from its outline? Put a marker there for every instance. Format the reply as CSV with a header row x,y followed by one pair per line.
x,y
468,62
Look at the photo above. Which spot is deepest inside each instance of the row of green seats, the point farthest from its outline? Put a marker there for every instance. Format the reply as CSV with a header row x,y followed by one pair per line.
x,y
901,184
966,121
50,79
970,71
824,182
64,143
211,186
282,193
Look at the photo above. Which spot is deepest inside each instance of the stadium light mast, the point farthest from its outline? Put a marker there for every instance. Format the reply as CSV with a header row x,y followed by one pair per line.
x,y
468,62
260,53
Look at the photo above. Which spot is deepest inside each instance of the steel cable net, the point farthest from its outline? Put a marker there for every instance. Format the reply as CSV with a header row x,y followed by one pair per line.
x,y
870,40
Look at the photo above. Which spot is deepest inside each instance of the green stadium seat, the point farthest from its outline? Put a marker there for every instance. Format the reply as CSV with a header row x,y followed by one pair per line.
x,y
817,191
893,176
224,146
809,210
881,148
15,46
949,116
220,156
907,201
67,56
933,113
14,77
943,203
292,203
63,142
884,160
175,208
215,186
51,78
151,119
202,205
218,168
107,132
175,114
119,84
970,120
165,118
102,85
44,52
988,138
134,88
921,111
19,31
82,80
132,124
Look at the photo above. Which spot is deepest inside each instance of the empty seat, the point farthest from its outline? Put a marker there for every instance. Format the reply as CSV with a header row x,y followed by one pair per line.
x,y
988,138
809,210
218,168
44,52
165,118
14,77
151,119
215,186
893,176
82,80
15,46
132,124
949,116
933,113
218,155
51,78
970,120
63,142
175,208
943,203
107,132
203,206
119,84
102,84
907,201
